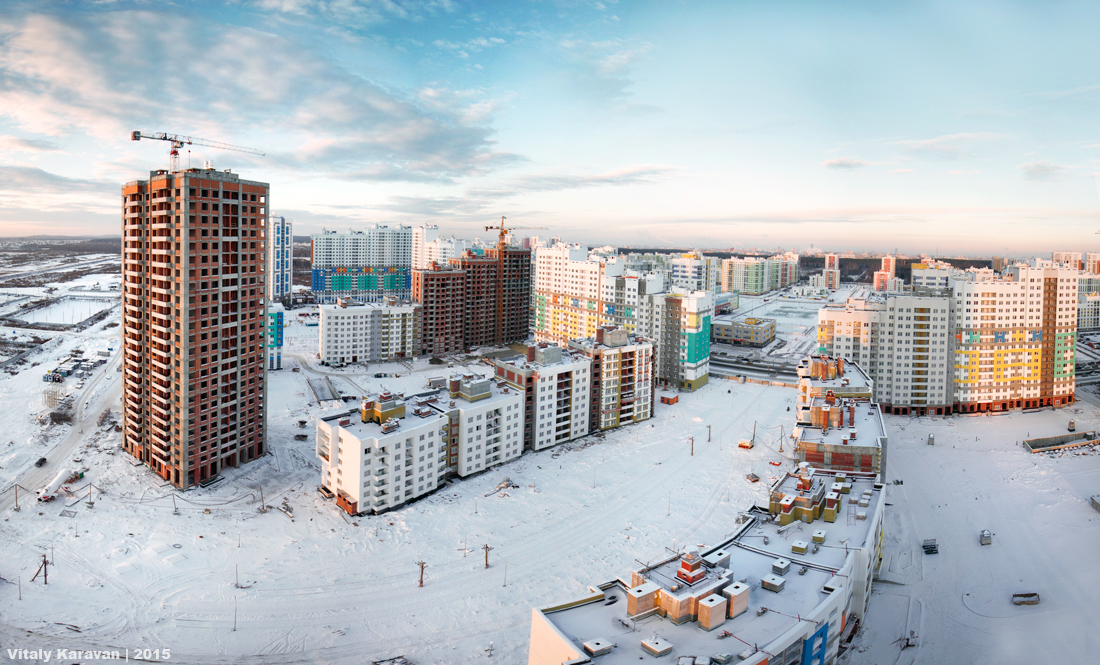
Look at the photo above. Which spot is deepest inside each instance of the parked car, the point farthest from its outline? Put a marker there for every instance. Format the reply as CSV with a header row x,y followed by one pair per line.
x,y
40,462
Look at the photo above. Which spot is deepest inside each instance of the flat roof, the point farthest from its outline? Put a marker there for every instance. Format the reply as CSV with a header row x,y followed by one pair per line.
x,y
751,559
372,430
868,424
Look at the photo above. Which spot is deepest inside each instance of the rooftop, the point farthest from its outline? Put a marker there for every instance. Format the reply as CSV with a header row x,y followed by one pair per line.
x,y
827,373
762,551
862,423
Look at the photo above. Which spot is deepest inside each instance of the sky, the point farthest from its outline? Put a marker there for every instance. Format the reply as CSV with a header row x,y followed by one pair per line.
x,y
939,127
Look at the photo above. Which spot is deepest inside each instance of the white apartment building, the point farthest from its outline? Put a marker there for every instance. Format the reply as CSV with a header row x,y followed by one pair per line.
x,y
557,385
695,272
1092,263
902,341
826,279
428,247
376,458
1088,311
280,258
378,246
486,422
370,333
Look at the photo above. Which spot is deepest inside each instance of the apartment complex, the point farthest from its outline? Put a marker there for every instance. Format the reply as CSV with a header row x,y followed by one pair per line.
x,y
886,279
622,377
1069,260
683,338
441,293
486,422
744,587
753,275
368,265
556,385
193,322
987,343
369,333
280,258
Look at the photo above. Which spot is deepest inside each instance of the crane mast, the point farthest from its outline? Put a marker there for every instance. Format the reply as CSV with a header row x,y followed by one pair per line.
x,y
177,141
501,245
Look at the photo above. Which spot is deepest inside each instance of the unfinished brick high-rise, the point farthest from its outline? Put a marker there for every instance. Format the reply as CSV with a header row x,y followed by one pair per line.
x,y
193,322
440,291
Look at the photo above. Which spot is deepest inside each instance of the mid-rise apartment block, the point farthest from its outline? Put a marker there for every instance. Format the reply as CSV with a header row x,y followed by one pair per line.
x,y
695,272
193,322
368,333
380,457
486,422
556,384
622,377
368,266
280,258
429,248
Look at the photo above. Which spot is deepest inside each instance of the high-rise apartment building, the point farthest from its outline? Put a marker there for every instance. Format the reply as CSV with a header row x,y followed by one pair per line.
x,y
280,258
193,324
753,275
567,293
1016,338
441,294
275,324
695,272
368,265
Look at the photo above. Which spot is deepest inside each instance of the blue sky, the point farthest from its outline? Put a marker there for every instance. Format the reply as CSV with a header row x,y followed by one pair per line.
x,y
958,127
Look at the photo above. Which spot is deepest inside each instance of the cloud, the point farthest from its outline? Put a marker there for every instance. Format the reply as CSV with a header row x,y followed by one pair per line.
x,y
1041,171
958,172
34,180
90,74
601,68
27,145
358,11
948,146
902,171
434,206
845,163
551,182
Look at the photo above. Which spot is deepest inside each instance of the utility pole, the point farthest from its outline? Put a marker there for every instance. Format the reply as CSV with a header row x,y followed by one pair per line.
x,y
421,564
263,506
708,433
487,550
692,439
234,614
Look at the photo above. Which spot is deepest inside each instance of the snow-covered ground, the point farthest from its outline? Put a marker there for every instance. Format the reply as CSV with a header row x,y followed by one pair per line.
x,y
222,582
796,320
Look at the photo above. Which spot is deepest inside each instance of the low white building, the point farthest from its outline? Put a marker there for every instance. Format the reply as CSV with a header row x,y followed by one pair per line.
x,y
374,332
376,458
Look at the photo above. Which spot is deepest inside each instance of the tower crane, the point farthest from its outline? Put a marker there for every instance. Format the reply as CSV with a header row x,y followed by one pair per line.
x,y
501,244
178,142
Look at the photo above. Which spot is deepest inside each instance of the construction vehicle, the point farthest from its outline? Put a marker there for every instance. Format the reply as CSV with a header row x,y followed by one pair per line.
x,y
178,142
502,244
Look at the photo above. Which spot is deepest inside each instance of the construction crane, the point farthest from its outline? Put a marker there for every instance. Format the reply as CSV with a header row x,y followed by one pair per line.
x,y
501,244
178,142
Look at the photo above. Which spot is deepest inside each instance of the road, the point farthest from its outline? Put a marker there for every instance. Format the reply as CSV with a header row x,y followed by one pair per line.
x,y
84,415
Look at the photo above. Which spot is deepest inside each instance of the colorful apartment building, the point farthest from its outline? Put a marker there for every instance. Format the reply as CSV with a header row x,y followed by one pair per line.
x,y
367,266
567,293
193,322
275,324
280,258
